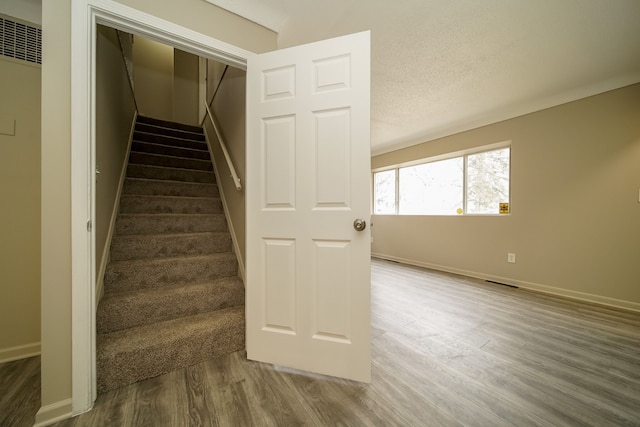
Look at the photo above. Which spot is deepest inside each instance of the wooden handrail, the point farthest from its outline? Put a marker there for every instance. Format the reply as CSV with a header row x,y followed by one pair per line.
x,y
126,67
234,175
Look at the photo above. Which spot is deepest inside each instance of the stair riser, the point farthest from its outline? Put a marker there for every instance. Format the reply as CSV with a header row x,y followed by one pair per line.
x,y
167,140
158,246
175,205
119,368
128,311
165,150
132,275
177,133
170,162
164,173
128,224
164,188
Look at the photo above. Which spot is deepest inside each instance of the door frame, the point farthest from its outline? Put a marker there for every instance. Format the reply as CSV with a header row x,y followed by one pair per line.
x,y
85,15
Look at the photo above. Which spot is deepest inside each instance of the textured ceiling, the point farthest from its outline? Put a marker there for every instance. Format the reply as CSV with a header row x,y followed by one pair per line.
x,y
441,67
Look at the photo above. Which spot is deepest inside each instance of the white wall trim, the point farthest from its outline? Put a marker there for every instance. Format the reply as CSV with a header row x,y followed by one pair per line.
x,y
227,215
83,277
18,352
536,287
85,14
53,413
121,17
106,252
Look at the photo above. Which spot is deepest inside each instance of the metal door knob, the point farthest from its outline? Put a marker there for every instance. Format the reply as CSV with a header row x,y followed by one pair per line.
x,y
359,224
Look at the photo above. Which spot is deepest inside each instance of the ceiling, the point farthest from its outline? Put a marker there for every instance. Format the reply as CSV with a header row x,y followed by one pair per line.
x,y
440,67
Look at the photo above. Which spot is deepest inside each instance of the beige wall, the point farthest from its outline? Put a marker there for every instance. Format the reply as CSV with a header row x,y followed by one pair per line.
x,y
166,81
20,213
153,78
56,168
575,221
115,111
229,108
28,10
185,87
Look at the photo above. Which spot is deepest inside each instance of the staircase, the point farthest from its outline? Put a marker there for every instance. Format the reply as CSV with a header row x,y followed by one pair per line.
x,y
172,297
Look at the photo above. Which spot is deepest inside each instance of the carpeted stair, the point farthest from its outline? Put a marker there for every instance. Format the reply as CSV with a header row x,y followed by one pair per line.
x,y
172,297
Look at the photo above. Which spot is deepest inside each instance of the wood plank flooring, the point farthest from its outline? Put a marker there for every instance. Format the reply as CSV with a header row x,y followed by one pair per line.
x,y
19,392
447,351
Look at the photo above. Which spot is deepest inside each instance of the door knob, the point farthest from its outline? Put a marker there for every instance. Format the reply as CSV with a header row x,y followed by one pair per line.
x,y
359,224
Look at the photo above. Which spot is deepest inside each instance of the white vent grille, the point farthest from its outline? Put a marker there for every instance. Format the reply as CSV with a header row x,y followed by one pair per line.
x,y
20,41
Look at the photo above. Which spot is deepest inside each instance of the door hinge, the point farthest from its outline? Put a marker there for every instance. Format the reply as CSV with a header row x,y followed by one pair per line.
x,y
89,225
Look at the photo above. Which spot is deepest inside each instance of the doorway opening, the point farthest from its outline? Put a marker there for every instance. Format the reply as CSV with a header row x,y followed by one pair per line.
x,y
86,15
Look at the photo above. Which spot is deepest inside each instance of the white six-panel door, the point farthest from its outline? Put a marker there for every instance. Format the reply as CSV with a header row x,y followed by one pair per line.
x,y
307,181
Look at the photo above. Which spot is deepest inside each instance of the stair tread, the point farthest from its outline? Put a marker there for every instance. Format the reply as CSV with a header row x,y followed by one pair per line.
x,y
172,168
130,355
162,196
158,334
166,187
168,156
174,174
128,309
173,162
160,260
148,129
163,223
204,148
177,288
157,215
171,181
168,124
148,246
170,235
162,130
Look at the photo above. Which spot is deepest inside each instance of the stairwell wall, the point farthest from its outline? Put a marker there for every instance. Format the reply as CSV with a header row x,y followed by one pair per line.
x,y
229,107
115,116
153,77
56,259
186,74
166,82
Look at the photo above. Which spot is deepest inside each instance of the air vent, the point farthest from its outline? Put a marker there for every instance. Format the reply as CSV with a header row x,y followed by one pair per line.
x,y
20,41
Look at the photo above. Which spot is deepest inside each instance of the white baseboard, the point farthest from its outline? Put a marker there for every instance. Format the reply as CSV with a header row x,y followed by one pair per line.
x,y
234,239
552,290
19,352
114,215
54,413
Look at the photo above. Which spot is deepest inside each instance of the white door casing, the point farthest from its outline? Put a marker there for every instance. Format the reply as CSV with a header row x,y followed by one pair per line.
x,y
308,179
86,14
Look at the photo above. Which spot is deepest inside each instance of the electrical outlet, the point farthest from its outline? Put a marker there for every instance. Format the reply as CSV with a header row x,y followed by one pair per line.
x,y
511,258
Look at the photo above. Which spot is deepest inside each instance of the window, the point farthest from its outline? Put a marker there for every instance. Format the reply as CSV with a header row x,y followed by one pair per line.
x,y
385,192
487,181
476,183
431,188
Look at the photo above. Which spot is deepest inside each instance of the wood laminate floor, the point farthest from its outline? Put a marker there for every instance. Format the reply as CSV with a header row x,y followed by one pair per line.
x,y
19,392
446,351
